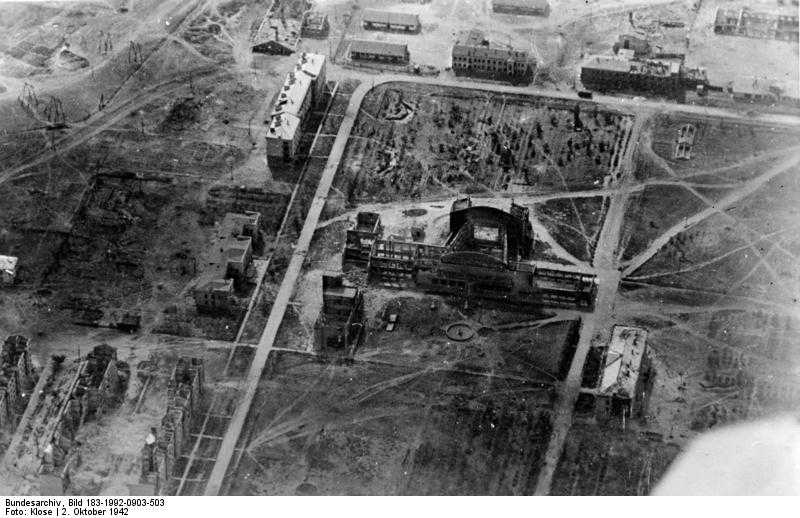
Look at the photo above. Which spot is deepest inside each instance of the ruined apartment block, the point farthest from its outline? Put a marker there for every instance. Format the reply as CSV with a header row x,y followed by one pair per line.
x,y
17,377
303,90
641,47
232,251
625,74
361,237
278,33
341,320
163,447
78,391
474,55
315,25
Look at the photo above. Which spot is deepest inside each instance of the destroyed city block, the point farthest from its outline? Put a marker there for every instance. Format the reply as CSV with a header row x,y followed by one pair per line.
x,y
434,247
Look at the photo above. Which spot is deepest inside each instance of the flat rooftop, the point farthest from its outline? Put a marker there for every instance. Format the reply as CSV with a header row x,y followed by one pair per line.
x,y
285,116
383,48
389,17
623,361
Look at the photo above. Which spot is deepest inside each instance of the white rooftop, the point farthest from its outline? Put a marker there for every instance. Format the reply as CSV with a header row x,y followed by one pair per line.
x,y
283,126
285,116
292,94
8,263
623,361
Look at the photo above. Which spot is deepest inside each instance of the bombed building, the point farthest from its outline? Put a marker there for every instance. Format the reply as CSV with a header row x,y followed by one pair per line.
x,y
362,236
474,55
280,29
654,77
78,391
315,25
17,378
745,22
640,46
163,447
341,321
232,255
486,257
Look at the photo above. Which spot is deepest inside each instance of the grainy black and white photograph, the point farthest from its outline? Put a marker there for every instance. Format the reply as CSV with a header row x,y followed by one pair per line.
x,y
397,247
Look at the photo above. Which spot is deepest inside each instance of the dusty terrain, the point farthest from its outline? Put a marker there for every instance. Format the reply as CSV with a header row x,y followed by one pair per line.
x,y
127,135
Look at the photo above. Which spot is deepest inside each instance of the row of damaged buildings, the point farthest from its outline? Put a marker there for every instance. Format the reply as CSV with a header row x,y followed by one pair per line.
x,y
163,447
73,392
639,67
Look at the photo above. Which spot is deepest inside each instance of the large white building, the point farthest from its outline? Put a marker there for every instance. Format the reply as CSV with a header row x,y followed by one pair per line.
x,y
303,89
624,375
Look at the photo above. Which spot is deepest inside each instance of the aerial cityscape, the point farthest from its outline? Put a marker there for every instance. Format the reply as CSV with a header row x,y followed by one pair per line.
x,y
392,247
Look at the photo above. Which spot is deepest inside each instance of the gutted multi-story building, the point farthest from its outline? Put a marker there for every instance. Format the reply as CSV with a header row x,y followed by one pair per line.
x,y
214,296
303,89
359,240
655,77
373,19
231,256
754,24
639,46
16,377
341,321
474,55
486,257
162,451
380,51
315,25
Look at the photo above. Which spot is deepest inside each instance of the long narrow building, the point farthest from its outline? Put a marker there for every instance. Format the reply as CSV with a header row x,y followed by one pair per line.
x,y
655,77
303,89
373,19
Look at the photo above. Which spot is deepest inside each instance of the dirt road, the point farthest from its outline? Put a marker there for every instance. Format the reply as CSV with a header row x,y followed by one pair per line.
x,y
606,266
284,295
